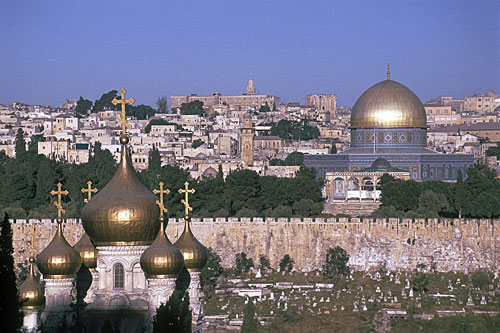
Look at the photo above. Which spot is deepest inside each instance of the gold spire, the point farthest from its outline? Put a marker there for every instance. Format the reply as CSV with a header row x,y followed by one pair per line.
x,y
33,234
160,203
58,203
89,190
185,201
122,118
388,72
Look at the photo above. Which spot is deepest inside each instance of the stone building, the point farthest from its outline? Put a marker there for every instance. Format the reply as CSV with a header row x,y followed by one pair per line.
x,y
246,140
389,121
482,103
322,102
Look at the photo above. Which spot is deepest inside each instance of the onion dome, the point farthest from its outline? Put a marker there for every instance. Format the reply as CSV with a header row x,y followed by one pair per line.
x,y
195,254
124,212
388,104
31,291
87,251
59,260
162,259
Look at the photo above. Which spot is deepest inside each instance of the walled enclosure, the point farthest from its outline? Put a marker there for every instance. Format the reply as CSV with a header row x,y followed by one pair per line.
x,y
397,244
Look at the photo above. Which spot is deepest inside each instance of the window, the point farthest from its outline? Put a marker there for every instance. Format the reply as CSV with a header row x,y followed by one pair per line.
x,y
119,276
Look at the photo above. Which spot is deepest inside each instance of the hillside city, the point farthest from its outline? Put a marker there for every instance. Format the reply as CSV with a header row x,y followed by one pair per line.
x,y
201,133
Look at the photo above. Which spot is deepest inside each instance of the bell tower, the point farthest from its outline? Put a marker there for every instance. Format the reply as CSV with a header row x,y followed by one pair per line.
x,y
251,88
246,140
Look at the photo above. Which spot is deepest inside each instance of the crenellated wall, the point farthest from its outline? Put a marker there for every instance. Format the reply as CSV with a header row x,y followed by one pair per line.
x,y
396,243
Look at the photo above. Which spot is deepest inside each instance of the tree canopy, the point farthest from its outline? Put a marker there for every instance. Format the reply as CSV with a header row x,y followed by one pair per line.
x,y
294,130
193,108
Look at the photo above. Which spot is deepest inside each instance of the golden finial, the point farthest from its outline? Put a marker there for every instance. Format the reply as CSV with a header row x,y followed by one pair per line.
x,y
185,201
33,234
160,203
388,72
89,190
122,118
58,203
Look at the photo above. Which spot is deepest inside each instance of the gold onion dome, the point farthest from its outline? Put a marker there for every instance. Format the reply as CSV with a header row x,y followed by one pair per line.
x,y
31,291
124,212
59,260
87,251
162,259
388,104
195,254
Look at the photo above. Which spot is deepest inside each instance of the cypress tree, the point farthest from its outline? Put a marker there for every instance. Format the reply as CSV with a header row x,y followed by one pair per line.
x,y
174,316
20,143
11,315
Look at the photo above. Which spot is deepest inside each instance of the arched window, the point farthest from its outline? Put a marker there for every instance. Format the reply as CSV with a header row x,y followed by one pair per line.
x,y
119,276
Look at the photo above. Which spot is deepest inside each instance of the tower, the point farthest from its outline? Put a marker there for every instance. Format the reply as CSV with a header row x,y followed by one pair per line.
x,y
246,140
251,88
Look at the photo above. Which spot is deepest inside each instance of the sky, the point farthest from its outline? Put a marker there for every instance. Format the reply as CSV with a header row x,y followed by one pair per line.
x,y
53,50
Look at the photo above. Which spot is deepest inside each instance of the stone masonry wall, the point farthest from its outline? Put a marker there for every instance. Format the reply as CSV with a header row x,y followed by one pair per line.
x,y
394,243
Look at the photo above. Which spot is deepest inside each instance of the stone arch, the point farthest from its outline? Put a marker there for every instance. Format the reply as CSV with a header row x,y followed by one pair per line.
x,y
118,275
367,184
117,301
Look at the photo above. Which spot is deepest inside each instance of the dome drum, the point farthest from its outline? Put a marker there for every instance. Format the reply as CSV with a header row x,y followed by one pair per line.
x,y
388,137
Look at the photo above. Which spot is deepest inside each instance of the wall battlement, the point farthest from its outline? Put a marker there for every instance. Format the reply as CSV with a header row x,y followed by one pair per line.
x,y
446,244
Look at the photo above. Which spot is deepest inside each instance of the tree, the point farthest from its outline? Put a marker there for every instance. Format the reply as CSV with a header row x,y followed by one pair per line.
x,y
104,103
333,150
83,107
243,264
20,143
154,161
420,282
286,263
211,271
250,323
174,315
161,104
196,143
265,108
336,263
141,111
264,262
459,193
193,108
10,307
431,203
33,145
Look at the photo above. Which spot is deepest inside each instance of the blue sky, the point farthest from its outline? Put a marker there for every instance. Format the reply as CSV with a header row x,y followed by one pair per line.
x,y
52,50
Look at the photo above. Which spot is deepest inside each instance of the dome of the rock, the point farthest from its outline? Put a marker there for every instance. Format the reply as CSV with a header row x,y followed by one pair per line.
x,y
388,104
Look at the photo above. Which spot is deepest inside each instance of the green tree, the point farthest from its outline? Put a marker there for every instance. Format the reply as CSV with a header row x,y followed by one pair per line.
x,y
264,262
104,103
196,143
286,263
20,143
83,107
250,323
193,108
494,151
294,130
431,203
211,271
336,263
243,264
333,150
459,193
141,111
265,108
161,104
420,282
174,315
154,161
33,145
10,307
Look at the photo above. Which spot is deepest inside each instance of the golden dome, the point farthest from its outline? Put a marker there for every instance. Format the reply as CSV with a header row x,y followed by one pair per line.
x,y
388,104
31,291
124,212
162,259
195,254
59,260
87,251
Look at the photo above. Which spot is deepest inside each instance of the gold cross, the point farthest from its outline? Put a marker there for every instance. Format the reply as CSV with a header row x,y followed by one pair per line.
x,y
160,203
185,201
58,202
123,101
89,191
33,234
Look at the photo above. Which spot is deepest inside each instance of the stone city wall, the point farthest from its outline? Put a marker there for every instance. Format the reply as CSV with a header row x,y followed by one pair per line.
x,y
397,244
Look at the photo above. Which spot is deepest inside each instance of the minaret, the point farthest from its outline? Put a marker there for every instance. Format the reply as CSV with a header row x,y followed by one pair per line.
x,y
195,258
251,88
161,262
31,291
58,263
246,140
